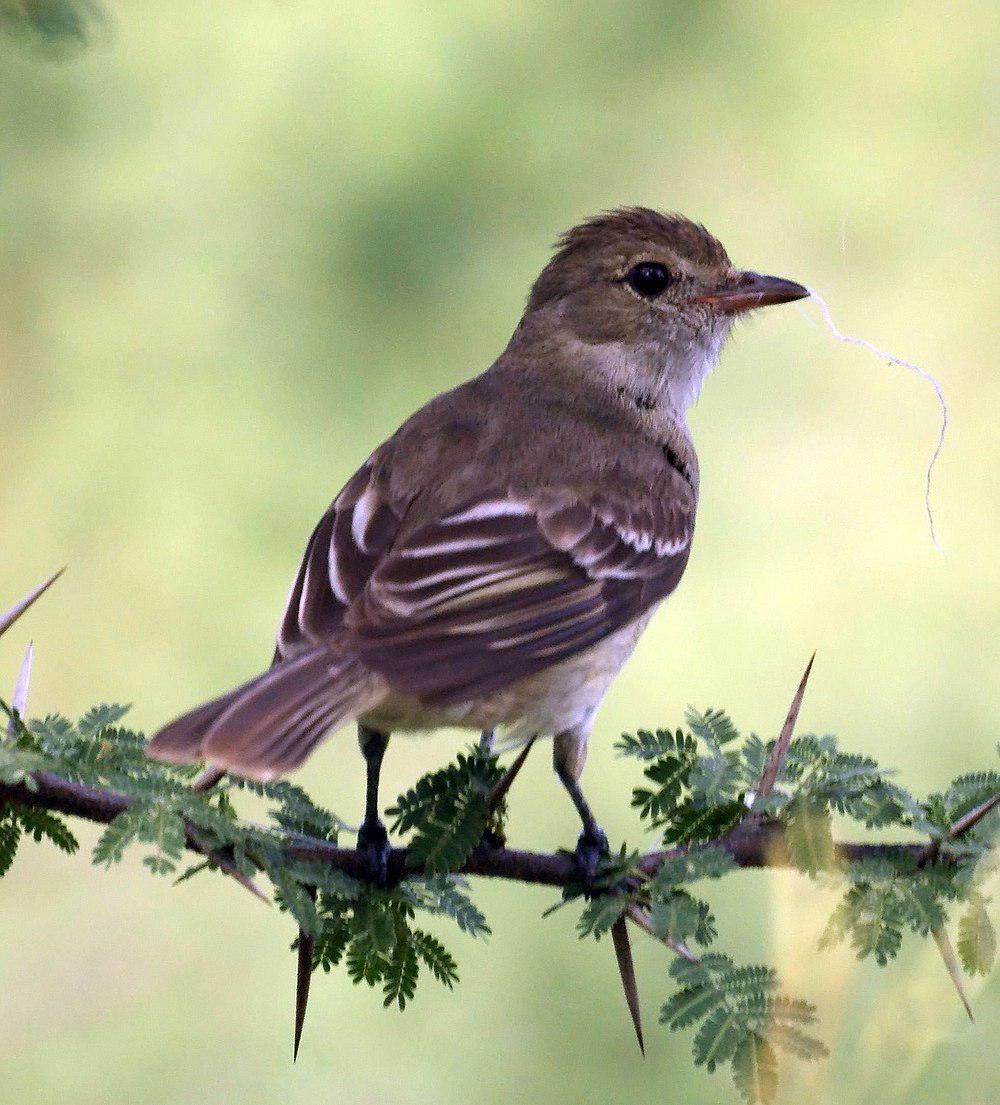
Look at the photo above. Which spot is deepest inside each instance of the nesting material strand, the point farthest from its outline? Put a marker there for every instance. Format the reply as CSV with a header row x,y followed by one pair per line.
x,y
928,376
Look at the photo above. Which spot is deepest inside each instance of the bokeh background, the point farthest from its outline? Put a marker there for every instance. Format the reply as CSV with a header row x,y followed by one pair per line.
x,y
240,242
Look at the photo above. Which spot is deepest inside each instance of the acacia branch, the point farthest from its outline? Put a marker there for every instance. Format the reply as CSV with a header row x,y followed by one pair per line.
x,y
756,843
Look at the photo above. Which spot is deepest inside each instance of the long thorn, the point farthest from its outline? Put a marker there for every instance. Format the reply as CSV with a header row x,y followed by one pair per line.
x,y
225,865
500,790
951,965
780,750
626,969
8,618
234,872
973,817
303,978
957,829
208,778
20,700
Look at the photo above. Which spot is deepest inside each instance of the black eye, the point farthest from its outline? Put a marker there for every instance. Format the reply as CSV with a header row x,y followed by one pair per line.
x,y
648,278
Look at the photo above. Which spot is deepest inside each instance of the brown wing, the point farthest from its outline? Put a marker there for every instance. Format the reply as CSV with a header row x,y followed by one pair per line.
x,y
512,583
339,559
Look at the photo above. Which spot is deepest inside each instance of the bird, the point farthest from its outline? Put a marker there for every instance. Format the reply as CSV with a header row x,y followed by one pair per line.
x,y
494,562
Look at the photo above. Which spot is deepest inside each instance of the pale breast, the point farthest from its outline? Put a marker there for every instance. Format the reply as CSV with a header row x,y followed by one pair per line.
x,y
562,697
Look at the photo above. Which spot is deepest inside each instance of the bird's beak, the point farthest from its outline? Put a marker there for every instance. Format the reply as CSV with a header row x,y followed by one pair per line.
x,y
752,289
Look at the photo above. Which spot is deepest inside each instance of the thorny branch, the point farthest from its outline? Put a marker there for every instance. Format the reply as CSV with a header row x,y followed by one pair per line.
x,y
754,844
756,841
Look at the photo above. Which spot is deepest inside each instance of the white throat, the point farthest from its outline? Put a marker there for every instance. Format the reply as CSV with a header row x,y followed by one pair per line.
x,y
665,376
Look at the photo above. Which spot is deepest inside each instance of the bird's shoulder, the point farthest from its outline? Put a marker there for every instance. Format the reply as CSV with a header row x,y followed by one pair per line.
x,y
503,478
531,433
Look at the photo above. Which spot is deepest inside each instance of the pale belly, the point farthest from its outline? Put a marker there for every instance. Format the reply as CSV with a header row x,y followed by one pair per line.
x,y
552,701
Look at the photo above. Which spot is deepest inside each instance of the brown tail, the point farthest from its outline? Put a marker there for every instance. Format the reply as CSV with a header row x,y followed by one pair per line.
x,y
268,726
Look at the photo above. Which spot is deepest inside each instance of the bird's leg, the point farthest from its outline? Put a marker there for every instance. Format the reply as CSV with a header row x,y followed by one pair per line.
x,y
569,753
373,840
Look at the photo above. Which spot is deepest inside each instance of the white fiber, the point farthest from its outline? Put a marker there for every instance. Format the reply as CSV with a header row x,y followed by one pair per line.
x,y
929,377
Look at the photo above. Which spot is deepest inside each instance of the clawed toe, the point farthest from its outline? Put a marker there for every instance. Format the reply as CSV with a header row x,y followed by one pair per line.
x,y
590,850
373,845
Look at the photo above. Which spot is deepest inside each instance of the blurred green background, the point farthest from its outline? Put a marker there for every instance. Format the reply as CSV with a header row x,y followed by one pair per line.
x,y
240,242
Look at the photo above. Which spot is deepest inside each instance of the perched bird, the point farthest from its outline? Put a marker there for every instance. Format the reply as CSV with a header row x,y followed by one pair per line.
x,y
495,561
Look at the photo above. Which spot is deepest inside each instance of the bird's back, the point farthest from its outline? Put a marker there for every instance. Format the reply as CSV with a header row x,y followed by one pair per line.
x,y
522,427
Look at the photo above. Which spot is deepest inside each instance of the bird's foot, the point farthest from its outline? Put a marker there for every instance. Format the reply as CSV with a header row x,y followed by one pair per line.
x,y
491,841
591,848
373,845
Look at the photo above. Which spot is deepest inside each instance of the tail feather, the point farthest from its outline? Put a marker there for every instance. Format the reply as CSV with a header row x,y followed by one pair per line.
x,y
180,741
268,726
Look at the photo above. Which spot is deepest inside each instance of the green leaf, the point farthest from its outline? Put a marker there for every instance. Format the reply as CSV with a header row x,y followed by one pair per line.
x,y
296,811
809,833
100,717
873,918
977,942
877,932
670,775
447,838
680,917
651,746
921,908
381,926
446,895
693,790
400,974
218,822
365,963
192,870
690,1004
448,810
796,1042
694,822
41,823
702,863
878,803
54,733
164,829
784,1010
334,883
969,791
755,754
755,1070
599,914
436,957
296,898
714,727
742,1018
10,837
720,1035
715,964
332,942
120,833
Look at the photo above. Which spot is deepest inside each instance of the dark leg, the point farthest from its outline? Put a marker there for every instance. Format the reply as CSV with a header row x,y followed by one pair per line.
x,y
569,755
373,840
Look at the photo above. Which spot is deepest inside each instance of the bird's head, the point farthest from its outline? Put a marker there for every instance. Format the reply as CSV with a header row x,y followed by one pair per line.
x,y
646,298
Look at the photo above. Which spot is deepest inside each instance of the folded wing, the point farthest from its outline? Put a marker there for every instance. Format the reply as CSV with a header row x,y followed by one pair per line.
x,y
503,586
511,583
